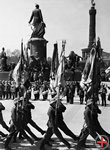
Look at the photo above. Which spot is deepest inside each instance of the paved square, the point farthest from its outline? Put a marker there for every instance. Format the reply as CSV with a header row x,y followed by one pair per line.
x,y
73,118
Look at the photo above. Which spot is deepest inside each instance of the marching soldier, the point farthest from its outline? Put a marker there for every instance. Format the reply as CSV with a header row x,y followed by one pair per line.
x,y
54,124
17,124
27,114
91,125
2,122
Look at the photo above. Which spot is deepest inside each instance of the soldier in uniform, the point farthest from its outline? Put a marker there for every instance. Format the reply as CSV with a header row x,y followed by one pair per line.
x,y
3,86
27,113
2,122
13,89
72,92
45,90
103,95
55,123
37,90
21,90
66,91
9,89
91,125
6,89
81,95
17,124
1,89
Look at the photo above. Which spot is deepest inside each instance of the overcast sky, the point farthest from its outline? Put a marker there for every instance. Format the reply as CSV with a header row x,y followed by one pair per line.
x,y
65,19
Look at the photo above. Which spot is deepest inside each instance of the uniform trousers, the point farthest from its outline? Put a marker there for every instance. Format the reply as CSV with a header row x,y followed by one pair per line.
x,y
94,131
13,131
56,131
32,123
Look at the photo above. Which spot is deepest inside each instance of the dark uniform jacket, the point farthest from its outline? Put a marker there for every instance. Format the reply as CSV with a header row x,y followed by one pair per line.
x,y
91,116
17,117
27,110
55,116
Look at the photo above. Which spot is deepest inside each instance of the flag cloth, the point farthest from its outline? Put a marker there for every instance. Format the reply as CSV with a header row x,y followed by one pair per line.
x,y
16,73
107,71
87,74
91,76
54,66
55,61
20,73
61,69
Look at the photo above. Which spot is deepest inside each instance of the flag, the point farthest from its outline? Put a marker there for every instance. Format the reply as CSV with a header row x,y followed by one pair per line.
x,y
26,55
23,66
55,61
54,66
87,75
91,76
107,71
16,73
20,73
61,68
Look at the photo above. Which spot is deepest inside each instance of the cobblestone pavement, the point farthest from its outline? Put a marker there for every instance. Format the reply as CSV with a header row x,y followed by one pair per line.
x,y
73,118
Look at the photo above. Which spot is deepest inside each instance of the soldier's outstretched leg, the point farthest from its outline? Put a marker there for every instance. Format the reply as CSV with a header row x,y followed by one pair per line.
x,y
59,135
26,136
32,123
46,138
9,137
67,131
3,134
4,125
101,131
26,128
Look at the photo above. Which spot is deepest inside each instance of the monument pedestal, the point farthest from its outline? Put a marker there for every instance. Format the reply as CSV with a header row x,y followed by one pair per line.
x,y
39,46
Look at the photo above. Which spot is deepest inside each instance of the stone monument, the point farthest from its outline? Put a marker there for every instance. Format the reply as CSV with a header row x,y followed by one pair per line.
x,y
3,60
92,31
37,43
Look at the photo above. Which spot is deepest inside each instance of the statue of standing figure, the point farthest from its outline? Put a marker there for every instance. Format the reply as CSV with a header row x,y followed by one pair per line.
x,y
3,58
38,23
93,3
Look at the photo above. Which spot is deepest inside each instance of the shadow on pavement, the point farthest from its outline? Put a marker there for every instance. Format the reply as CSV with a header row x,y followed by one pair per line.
x,y
56,145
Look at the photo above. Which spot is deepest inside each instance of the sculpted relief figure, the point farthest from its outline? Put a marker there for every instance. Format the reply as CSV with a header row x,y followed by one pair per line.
x,y
37,23
3,58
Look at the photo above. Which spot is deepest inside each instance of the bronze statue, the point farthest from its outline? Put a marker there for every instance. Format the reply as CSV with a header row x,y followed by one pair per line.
x,y
3,58
93,3
38,25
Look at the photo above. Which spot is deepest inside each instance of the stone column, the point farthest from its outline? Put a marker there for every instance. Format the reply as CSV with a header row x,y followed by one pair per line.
x,y
39,46
92,26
